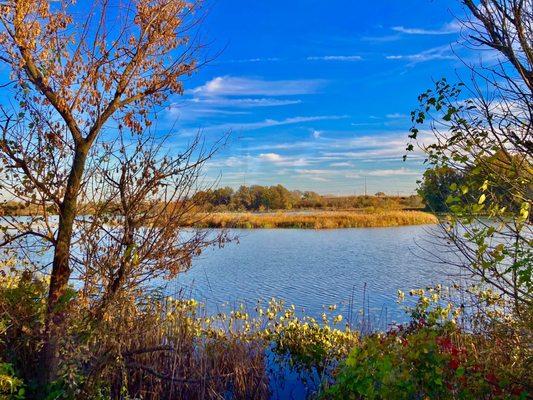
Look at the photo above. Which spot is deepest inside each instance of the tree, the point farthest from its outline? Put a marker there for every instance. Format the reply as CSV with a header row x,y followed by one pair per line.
x,y
87,83
436,187
485,135
222,196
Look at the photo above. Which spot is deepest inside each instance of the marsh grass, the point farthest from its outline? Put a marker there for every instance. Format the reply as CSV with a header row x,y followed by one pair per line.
x,y
175,349
152,346
158,347
313,220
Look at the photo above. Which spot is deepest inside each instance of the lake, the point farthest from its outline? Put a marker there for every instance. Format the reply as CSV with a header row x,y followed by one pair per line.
x,y
316,268
311,269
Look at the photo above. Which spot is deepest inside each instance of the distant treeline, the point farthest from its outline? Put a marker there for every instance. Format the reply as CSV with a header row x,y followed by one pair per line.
x,y
265,198
19,208
257,198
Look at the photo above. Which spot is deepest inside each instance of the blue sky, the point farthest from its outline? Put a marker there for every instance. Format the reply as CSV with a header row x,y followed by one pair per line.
x,y
317,94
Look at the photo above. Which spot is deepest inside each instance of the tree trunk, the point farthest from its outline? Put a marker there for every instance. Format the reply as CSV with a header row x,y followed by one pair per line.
x,y
60,269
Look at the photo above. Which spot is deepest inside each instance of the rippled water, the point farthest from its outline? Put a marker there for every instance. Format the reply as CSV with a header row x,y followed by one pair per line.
x,y
313,268
316,268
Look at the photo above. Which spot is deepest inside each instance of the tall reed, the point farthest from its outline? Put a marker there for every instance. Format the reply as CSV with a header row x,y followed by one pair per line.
x,y
313,220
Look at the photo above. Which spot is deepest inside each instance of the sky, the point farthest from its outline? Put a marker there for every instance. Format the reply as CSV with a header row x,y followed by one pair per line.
x,y
316,95
313,94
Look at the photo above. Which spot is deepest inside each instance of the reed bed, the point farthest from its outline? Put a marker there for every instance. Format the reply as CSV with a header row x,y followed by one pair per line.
x,y
313,220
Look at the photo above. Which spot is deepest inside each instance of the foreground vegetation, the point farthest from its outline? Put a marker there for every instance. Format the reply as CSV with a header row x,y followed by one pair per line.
x,y
162,347
312,220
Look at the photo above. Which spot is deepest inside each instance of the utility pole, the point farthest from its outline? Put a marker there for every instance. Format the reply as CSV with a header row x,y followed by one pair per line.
x,y
244,155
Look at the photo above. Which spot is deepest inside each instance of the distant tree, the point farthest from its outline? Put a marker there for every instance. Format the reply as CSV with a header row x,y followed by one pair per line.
x,y
380,194
221,196
243,199
312,200
436,186
280,198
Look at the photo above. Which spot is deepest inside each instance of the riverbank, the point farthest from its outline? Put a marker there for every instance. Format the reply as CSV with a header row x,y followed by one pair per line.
x,y
313,219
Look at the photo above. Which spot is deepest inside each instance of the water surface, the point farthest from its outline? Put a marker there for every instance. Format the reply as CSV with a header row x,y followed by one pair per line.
x,y
313,268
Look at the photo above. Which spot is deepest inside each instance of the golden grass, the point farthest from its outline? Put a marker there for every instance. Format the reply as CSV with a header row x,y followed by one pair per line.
x,y
314,220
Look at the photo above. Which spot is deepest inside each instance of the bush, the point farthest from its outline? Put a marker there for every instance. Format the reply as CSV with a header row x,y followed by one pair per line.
x,y
11,387
22,302
431,357
159,347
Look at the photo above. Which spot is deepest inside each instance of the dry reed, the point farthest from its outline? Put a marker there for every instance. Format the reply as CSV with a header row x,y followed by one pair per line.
x,y
313,220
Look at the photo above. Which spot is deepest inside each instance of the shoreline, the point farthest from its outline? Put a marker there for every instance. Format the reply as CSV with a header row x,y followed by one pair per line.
x,y
305,219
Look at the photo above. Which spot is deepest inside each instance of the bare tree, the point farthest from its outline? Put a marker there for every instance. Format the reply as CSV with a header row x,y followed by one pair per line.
x,y
75,147
483,129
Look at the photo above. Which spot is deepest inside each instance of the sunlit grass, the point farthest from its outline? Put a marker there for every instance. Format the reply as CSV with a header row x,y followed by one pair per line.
x,y
314,220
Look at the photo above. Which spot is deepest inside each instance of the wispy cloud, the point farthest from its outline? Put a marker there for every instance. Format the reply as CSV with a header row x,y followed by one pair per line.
x,y
344,151
249,126
436,53
381,39
396,116
392,172
187,112
241,86
393,142
446,29
335,58
254,60
283,161
244,102
287,121
316,134
354,173
341,164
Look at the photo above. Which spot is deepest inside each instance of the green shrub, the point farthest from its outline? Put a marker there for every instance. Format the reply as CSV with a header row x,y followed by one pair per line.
x,y
433,358
11,387
22,303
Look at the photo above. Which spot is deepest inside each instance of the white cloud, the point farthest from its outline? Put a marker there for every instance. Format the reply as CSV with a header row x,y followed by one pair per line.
x,y
375,144
249,126
240,86
436,53
446,29
271,157
335,58
341,164
254,60
283,161
381,39
244,102
314,171
188,112
396,116
316,134
392,172
286,121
